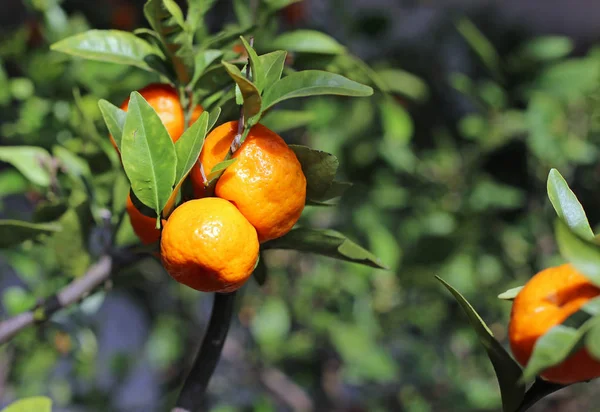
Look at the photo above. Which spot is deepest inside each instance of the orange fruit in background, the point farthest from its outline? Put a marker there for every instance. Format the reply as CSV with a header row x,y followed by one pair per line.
x,y
265,183
209,246
198,110
164,99
547,299
143,226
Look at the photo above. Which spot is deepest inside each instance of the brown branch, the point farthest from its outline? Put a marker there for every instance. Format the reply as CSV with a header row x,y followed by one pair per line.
x,y
286,390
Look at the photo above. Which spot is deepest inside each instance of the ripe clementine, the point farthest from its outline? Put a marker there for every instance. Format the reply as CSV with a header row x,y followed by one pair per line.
x,y
209,246
143,226
547,300
265,182
164,99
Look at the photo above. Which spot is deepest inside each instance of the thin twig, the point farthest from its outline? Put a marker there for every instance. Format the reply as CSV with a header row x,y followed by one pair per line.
x,y
285,389
97,274
192,393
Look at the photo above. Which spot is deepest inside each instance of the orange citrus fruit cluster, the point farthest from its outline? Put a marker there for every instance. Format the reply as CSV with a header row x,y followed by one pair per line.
x,y
211,243
547,299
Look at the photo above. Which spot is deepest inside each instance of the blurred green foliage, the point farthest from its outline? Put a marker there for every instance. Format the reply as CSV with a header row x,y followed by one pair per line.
x,y
463,199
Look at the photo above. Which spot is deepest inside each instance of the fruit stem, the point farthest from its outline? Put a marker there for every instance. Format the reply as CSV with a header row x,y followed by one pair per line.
x,y
191,397
237,140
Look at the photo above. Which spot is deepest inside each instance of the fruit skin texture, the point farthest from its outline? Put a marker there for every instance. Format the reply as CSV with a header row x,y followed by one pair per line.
x,y
164,99
547,300
266,182
143,226
209,246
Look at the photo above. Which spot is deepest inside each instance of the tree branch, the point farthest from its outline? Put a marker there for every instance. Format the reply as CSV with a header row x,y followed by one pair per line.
x,y
191,396
97,274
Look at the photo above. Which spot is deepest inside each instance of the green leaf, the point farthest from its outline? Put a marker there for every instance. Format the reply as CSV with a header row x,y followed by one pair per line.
x,y
405,83
567,206
252,99
242,12
12,182
555,346
212,119
197,9
583,254
308,41
327,243
13,232
507,370
312,83
258,73
70,245
112,46
546,48
219,168
272,322
283,120
114,117
397,124
17,300
480,45
166,18
189,146
71,163
273,64
319,168
510,294
274,5
31,161
202,61
592,341
31,404
148,154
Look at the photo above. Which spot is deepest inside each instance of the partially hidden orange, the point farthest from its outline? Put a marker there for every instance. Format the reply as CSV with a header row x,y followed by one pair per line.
x,y
143,226
265,183
208,245
547,299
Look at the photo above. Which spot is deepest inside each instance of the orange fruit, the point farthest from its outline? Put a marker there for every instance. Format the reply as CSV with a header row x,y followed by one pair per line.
x,y
164,99
547,299
143,226
209,246
265,182
198,110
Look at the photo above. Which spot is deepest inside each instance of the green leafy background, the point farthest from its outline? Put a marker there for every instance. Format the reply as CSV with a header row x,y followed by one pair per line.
x,y
450,165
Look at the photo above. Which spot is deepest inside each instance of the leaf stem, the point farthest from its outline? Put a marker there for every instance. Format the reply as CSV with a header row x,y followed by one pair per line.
x,y
192,393
537,391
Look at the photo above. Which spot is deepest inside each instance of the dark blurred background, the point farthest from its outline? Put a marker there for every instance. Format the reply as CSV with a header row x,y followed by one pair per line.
x,y
449,180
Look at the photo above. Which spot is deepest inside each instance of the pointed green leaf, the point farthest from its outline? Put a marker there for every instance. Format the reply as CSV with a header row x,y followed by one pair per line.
x,y
510,294
567,206
113,46
212,119
71,163
148,154
327,243
31,161
13,232
308,41
188,147
397,124
114,117
507,370
583,254
166,18
252,99
226,36
273,64
319,168
202,61
196,11
312,83
258,73
243,13
336,189
31,404
219,168
405,83
282,120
